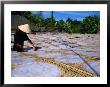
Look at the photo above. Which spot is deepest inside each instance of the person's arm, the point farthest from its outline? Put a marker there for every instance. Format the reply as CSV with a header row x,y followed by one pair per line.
x,y
27,38
34,48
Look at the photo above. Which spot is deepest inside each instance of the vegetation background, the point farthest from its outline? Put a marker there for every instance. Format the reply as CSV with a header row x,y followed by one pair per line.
x,y
89,25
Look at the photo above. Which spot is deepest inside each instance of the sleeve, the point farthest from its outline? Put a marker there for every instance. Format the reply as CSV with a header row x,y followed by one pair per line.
x,y
26,37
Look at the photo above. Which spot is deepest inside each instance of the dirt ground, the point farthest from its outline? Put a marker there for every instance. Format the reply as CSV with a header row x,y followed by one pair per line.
x,y
58,55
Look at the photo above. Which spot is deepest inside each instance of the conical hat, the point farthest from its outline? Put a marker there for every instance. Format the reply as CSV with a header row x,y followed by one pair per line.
x,y
25,28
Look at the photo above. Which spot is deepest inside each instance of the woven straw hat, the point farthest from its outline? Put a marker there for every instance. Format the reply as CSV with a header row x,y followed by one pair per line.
x,y
25,28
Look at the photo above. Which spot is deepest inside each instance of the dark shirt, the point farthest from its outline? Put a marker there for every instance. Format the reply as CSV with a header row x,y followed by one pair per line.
x,y
19,39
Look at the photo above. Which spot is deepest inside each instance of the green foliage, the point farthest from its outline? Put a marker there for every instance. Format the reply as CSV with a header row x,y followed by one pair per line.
x,y
91,24
60,25
50,22
77,26
68,27
72,26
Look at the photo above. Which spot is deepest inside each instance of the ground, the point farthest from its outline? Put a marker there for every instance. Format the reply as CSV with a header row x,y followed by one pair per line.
x,y
58,55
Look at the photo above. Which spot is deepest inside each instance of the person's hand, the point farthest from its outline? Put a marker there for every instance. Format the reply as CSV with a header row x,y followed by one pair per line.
x,y
34,48
20,46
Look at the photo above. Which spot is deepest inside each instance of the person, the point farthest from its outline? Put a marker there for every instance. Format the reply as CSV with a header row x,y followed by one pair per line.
x,y
20,36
